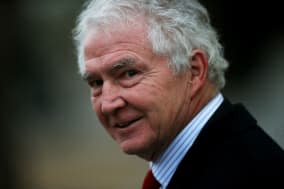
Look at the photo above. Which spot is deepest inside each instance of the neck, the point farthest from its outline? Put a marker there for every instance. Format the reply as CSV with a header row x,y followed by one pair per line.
x,y
201,98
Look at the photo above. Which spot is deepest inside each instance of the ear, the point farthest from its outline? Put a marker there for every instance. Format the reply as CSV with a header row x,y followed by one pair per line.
x,y
198,70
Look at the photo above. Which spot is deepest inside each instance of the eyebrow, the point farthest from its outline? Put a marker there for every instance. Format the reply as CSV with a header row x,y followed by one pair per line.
x,y
122,63
86,76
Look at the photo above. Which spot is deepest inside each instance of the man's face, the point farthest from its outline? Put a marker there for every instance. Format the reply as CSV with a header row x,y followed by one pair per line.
x,y
134,92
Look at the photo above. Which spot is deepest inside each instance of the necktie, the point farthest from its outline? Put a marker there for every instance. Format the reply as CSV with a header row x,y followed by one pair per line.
x,y
150,182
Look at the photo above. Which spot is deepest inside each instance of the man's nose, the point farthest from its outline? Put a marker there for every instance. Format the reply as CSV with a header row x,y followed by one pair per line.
x,y
111,99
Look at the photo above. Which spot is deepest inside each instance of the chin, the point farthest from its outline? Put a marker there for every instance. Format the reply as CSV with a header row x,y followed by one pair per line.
x,y
141,149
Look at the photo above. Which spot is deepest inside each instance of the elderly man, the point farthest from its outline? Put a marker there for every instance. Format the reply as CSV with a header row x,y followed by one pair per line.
x,y
155,69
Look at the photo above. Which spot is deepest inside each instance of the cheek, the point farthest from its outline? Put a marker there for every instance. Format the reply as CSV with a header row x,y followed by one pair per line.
x,y
95,105
96,108
165,104
154,109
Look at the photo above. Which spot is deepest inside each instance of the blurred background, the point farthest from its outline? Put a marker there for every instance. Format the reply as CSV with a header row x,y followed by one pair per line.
x,y
50,138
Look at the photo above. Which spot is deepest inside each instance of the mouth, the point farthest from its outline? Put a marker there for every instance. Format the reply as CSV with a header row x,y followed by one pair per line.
x,y
123,125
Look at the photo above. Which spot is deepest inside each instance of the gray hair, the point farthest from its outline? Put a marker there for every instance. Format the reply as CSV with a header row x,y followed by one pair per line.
x,y
175,28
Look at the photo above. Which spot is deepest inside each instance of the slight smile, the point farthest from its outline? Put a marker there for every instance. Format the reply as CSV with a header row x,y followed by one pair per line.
x,y
127,124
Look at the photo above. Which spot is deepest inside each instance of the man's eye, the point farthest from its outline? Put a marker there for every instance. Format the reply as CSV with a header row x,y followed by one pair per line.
x,y
96,83
131,73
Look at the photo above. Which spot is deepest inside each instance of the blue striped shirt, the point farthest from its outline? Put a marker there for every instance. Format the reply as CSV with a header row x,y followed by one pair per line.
x,y
164,167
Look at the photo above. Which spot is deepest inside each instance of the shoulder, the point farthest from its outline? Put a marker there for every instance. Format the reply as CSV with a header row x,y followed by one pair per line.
x,y
230,149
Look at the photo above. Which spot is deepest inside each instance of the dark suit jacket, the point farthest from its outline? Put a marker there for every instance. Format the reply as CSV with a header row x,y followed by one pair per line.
x,y
231,152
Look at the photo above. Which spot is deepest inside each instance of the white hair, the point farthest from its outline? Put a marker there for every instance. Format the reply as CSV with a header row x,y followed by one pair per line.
x,y
175,28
